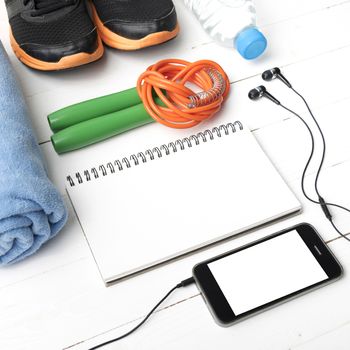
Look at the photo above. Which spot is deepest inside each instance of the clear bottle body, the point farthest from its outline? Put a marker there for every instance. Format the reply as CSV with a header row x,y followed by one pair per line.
x,y
225,20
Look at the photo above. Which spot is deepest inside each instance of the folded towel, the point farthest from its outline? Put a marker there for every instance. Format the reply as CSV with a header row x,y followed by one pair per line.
x,y
31,209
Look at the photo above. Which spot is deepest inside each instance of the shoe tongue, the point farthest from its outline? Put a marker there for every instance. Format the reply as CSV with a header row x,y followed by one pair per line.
x,y
44,7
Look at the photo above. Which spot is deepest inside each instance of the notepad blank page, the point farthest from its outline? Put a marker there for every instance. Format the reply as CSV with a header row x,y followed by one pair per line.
x,y
168,206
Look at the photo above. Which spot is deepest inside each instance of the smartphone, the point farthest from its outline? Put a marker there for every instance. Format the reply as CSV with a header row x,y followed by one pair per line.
x,y
258,276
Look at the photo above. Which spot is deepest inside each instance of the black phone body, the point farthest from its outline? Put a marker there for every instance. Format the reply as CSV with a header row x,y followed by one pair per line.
x,y
265,273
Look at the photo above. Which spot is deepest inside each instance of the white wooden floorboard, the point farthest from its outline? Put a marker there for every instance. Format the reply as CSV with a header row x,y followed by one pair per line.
x,y
74,301
189,325
338,338
328,104
57,299
289,41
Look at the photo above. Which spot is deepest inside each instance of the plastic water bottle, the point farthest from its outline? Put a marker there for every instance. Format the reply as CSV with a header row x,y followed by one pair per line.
x,y
232,23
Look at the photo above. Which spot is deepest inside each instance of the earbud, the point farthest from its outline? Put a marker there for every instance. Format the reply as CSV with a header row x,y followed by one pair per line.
x,y
259,92
275,73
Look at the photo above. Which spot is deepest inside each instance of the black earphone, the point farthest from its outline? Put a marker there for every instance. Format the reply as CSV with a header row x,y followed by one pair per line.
x,y
259,92
275,73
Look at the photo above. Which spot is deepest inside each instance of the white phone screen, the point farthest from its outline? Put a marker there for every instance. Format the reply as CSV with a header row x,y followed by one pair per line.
x,y
267,271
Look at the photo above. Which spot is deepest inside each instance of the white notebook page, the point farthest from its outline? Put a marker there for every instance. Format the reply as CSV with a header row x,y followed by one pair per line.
x,y
160,209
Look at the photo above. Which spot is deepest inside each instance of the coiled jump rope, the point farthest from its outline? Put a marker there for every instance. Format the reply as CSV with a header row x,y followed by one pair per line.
x,y
164,93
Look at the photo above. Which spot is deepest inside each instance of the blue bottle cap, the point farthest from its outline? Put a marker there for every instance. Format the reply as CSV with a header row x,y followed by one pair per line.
x,y
250,43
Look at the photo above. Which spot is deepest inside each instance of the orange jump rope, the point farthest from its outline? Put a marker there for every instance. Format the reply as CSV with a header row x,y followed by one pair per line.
x,y
184,108
164,93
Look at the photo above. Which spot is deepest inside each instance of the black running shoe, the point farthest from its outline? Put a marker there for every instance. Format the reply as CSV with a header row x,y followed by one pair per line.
x,y
53,34
134,24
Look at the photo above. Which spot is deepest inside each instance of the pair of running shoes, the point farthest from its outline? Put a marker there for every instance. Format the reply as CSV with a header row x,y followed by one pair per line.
x,y
60,34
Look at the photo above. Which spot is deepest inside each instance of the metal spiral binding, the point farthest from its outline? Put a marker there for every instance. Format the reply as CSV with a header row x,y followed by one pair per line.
x,y
151,154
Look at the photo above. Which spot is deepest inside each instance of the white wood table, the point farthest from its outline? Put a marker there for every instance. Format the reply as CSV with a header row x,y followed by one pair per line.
x,y
57,300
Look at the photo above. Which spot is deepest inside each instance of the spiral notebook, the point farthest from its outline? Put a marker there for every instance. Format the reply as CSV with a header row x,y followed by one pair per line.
x,y
151,207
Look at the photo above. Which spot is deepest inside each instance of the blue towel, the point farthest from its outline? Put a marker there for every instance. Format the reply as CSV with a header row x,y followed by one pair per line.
x,y
31,209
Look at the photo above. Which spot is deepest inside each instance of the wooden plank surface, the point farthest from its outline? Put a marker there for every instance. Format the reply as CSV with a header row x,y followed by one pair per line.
x,y
56,299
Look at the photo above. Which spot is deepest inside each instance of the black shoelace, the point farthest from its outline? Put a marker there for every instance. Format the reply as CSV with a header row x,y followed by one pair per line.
x,y
43,7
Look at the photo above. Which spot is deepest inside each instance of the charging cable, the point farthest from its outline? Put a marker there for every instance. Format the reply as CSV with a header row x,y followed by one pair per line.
x,y
183,283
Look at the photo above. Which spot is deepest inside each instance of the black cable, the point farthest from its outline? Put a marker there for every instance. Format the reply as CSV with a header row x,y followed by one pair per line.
x,y
323,140
339,232
311,153
183,283
324,205
338,206
323,151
